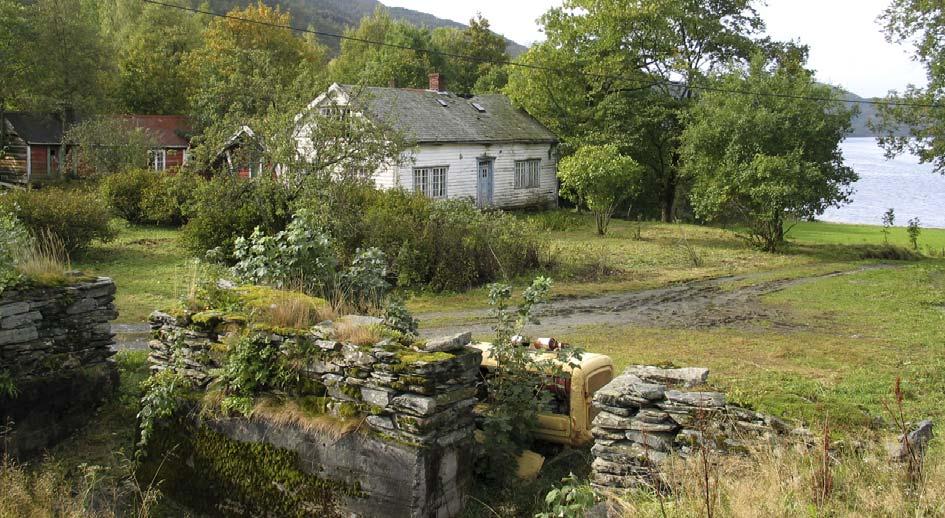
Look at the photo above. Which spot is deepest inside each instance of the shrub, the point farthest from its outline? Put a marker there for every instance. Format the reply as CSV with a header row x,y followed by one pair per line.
x,y
124,192
447,245
226,208
300,256
166,201
75,216
13,237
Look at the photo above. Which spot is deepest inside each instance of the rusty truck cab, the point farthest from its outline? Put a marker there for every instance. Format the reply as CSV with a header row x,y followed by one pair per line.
x,y
568,421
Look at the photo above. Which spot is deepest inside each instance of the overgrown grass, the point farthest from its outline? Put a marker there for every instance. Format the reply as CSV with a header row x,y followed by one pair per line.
x,y
849,338
783,482
149,266
91,473
635,255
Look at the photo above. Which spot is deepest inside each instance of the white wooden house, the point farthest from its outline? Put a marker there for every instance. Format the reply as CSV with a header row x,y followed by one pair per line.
x,y
480,148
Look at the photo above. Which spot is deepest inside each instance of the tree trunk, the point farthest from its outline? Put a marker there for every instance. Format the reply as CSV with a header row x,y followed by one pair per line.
x,y
668,201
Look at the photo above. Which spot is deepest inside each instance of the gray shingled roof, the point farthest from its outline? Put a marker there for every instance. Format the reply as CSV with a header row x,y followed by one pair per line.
x,y
37,128
419,117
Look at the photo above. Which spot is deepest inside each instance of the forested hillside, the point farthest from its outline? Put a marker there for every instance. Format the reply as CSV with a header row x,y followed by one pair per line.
x,y
334,16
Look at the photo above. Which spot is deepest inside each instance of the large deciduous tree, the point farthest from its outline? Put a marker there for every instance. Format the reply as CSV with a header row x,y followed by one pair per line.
x,y
378,65
151,78
244,68
917,129
485,50
764,147
625,72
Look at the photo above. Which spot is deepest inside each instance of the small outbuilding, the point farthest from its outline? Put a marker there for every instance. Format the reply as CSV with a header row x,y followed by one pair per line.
x,y
32,149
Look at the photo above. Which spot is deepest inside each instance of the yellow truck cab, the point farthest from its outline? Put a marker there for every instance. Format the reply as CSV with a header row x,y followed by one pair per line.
x,y
568,422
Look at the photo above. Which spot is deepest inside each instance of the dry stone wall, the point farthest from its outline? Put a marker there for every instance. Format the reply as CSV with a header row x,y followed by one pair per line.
x,y
55,345
647,414
411,454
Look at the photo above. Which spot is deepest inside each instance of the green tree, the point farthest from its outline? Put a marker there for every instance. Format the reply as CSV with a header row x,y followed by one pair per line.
x,y
625,73
151,75
600,178
484,48
770,156
920,23
107,145
244,69
376,65
68,60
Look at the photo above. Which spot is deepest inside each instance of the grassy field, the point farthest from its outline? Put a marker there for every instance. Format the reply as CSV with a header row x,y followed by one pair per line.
x,y
149,267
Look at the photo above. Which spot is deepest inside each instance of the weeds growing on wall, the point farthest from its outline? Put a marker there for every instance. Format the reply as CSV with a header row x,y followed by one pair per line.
x,y
516,386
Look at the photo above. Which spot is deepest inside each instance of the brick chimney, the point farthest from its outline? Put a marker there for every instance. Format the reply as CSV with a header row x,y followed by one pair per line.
x,y
437,83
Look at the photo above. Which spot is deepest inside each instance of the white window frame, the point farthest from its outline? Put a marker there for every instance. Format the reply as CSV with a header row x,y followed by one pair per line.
x,y
528,173
431,181
157,159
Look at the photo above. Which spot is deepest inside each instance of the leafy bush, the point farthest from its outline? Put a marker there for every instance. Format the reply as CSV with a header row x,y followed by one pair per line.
x,y
447,245
303,257
516,385
300,256
13,237
166,201
77,217
226,208
124,192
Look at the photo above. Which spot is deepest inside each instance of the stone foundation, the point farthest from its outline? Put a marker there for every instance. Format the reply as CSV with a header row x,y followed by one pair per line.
x,y
55,345
647,414
409,454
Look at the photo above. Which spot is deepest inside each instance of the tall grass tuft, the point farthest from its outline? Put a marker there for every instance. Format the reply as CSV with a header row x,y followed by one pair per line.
x,y
776,480
44,259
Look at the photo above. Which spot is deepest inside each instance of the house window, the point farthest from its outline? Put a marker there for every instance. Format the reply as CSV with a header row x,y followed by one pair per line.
x,y
157,159
527,173
431,181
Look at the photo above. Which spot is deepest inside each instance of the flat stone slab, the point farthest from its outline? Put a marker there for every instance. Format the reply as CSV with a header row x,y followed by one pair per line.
x,y
696,399
448,344
688,377
630,391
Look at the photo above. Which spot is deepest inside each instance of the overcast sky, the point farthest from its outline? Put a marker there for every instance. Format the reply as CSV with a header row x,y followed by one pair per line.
x,y
846,45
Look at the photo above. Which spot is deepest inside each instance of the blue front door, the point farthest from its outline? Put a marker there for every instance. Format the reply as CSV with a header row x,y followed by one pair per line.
x,y
484,198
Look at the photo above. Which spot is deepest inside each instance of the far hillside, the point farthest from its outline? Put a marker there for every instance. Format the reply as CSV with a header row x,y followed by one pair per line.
x,y
867,112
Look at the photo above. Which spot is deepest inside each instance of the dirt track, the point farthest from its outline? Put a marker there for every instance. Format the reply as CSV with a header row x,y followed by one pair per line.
x,y
702,304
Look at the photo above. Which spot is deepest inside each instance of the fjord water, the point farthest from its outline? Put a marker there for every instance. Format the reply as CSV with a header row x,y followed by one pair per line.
x,y
910,188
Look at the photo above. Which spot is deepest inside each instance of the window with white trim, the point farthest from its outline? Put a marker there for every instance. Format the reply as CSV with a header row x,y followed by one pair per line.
x,y
431,181
157,159
527,173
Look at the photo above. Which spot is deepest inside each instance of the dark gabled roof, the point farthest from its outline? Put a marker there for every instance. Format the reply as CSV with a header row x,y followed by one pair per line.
x,y
420,116
169,131
37,128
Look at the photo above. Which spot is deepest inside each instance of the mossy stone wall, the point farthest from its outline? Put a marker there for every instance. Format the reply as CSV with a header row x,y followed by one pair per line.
x,y
55,367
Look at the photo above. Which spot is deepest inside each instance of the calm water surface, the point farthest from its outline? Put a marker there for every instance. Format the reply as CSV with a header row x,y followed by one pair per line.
x,y
910,188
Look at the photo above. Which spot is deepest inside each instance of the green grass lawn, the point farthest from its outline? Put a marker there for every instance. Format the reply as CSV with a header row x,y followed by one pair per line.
x,y
149,267
844,234
854,335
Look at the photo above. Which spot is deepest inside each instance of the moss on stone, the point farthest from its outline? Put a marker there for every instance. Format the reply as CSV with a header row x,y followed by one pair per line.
x,y
264,297
411,357
226,476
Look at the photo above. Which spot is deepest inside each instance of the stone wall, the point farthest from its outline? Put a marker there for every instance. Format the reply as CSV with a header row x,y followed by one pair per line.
x,y
55,345
649,413
411,451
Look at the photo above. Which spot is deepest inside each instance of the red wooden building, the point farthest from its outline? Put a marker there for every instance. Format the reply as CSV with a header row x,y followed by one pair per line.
x,y
34,152
171,134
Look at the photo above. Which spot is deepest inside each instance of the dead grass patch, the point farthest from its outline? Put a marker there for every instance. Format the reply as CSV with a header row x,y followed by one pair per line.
x,y
357,334
44,260
782,481
309,419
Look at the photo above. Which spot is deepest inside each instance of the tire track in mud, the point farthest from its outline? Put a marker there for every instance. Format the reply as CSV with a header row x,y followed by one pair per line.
x,y
704,304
